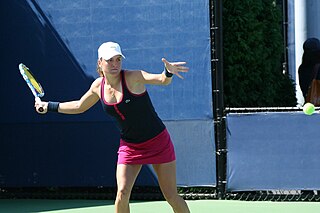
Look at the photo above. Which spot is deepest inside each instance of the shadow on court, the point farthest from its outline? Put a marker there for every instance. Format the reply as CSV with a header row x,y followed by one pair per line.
x,y
39,205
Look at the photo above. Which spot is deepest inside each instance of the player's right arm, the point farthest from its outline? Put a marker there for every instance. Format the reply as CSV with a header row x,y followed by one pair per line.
x,y
90,98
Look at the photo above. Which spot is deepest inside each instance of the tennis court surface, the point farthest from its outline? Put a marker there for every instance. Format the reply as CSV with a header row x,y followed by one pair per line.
x,y
196,206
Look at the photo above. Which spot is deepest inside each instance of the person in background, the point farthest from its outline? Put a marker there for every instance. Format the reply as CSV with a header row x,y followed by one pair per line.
x,y
310,57
144,137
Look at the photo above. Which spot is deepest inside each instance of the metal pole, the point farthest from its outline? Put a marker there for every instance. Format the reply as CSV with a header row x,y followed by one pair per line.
x,y
216,9
285,35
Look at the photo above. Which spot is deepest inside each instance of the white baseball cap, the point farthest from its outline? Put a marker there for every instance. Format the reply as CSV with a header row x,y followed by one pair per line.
x,y
109,49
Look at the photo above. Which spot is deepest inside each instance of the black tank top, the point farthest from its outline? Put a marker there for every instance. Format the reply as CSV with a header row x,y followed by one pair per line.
x,y
134,113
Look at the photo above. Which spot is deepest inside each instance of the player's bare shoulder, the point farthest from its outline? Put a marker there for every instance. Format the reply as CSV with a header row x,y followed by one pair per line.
x,y
134,80
95,86
133,76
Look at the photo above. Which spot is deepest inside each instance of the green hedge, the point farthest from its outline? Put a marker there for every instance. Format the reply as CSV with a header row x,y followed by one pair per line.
x,y
253,55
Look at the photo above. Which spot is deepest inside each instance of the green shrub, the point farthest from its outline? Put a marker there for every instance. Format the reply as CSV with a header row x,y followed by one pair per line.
x,y
253,52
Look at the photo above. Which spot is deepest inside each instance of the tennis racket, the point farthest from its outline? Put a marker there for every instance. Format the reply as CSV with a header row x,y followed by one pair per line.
x,y
32,83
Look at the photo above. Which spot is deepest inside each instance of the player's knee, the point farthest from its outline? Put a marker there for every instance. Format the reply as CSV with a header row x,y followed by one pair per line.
x,y
123,194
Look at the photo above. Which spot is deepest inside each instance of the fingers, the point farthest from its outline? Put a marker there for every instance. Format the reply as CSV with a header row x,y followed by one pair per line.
x,y
41,107
175,67
41,110
182,69
166,63
173,63
37,100
179,63
180,76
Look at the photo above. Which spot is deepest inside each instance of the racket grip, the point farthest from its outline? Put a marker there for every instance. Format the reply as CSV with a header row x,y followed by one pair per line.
x,y
40,108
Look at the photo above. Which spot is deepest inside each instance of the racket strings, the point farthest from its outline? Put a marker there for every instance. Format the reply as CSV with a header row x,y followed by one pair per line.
x,y
34,83
29,77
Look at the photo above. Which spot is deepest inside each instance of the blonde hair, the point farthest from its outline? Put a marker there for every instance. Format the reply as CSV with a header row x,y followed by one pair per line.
x,y
99,70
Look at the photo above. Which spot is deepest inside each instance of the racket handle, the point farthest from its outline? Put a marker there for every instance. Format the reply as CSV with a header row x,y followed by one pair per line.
x,y
40,108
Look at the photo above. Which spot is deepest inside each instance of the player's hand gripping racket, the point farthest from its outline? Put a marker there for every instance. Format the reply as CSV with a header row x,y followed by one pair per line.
x,y
32,82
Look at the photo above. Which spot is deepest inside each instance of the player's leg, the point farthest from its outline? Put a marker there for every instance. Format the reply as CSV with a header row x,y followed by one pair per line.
x,y
126,176
167,180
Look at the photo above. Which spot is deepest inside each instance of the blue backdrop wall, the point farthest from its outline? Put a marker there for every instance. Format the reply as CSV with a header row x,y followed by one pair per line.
x,y
58,41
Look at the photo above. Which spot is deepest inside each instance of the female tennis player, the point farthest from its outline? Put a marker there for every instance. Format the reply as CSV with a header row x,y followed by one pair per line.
x,y
144,137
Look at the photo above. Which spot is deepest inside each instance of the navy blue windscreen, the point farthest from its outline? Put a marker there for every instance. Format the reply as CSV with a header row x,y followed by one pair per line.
x,y
273,151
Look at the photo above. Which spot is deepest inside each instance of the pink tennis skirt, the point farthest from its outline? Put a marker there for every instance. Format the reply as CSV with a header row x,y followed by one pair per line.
x,y
154,151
